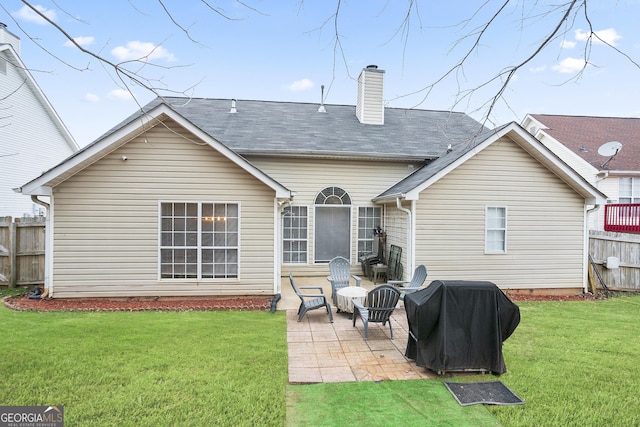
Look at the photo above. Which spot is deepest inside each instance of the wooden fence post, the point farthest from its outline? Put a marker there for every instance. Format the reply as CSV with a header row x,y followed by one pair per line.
x,y
12,255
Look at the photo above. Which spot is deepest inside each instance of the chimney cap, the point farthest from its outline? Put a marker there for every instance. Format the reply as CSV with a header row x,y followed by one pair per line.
x,y
372,67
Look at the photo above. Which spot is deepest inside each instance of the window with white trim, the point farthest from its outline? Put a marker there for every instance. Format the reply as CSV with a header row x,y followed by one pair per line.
x,y
294,235
496,229
199,240
332,224
369,218
629,190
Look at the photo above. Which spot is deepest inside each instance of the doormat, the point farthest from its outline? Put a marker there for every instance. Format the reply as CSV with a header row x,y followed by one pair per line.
x,y
487,393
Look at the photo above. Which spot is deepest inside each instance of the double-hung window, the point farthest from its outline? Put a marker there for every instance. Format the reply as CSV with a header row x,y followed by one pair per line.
x,y
199,240
369,218
629,190
294,235
496,230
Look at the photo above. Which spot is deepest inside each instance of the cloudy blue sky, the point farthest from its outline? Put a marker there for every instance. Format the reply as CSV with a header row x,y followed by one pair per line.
x,y
285,51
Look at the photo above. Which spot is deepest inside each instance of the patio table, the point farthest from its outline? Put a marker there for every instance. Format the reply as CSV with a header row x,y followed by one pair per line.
x,y
345,297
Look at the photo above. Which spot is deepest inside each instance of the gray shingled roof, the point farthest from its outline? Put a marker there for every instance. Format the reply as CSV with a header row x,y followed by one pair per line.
x,y
294,129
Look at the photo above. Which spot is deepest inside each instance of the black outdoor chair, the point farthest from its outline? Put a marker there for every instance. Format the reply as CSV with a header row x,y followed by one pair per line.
x,y
310,302
378,308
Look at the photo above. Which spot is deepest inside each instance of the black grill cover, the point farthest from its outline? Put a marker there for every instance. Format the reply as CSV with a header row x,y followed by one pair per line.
x,y
459,325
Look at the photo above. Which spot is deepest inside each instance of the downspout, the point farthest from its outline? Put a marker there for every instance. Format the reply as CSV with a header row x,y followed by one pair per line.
x,y
279,210
410,257
48,254
599,178
587,212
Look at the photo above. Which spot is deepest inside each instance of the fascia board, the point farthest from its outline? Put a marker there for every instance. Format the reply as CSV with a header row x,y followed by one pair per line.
x,y
530,120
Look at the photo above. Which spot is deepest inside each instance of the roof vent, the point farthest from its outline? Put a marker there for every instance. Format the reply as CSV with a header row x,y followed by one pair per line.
x,y
233,107
321,109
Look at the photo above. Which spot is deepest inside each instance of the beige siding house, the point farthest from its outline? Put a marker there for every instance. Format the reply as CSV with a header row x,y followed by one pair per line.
x,y
490,212
209,197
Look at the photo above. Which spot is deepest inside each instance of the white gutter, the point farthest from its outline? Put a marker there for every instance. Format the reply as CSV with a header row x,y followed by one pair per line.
x,y
410,235
279,206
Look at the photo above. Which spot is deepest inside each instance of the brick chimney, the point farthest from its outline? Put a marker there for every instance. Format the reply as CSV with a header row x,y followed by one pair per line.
x,y
370,106
6,37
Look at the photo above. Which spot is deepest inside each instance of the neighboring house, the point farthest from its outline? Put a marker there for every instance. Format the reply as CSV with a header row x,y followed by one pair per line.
x,y
218,197
606,152
33,138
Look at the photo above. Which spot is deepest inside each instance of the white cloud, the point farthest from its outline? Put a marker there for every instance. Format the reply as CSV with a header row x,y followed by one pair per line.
x,y
566,44
120,95
300,85
141,51
539,69
82,41
610,36
570,65
27,14
91,97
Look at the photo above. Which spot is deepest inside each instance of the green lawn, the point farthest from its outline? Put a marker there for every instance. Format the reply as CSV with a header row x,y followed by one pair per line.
x,y
147,368
574,363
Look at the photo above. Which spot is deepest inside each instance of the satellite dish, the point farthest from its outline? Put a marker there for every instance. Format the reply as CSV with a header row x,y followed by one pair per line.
x,y
609,149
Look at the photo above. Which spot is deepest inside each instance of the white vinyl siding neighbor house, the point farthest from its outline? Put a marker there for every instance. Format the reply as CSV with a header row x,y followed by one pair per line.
x,y
582,141
33,138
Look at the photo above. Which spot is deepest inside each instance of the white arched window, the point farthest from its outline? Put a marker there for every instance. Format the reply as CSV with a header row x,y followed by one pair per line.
x,y
332,224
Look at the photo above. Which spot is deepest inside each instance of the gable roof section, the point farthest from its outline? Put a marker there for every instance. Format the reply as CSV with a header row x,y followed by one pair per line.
x,y
411,187
14,59
583,135
267,128
80,160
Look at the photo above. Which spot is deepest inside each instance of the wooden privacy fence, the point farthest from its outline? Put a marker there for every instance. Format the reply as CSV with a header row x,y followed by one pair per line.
x,y
625,248
22,243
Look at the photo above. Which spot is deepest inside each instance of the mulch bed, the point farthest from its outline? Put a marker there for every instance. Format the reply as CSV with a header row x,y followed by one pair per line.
x,y
579,297
138,304
23,303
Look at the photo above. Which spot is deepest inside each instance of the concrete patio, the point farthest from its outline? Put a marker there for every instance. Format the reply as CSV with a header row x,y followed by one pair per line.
x,y
320,351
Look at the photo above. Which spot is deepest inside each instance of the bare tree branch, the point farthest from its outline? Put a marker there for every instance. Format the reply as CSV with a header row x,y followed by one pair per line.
x,y
562,16
119,68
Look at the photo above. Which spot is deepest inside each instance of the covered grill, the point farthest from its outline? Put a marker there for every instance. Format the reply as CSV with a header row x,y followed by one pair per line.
x,y
458,325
